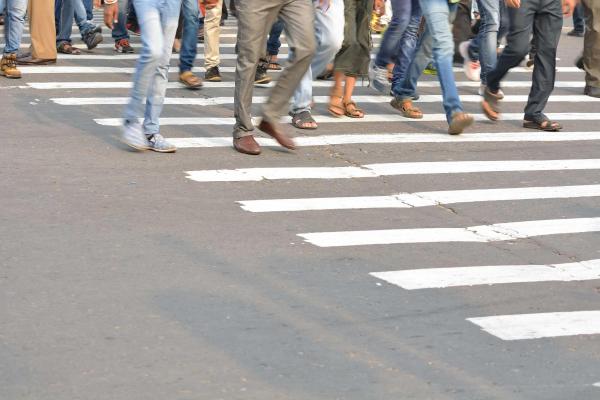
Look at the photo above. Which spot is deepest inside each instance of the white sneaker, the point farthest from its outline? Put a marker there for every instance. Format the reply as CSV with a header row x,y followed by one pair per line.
x,y
471,67
379,78
133,136
159,143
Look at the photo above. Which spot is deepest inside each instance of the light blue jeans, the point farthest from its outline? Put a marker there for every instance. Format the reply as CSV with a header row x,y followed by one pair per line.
x,y
329,33
14,22
158,21
69,10
486,42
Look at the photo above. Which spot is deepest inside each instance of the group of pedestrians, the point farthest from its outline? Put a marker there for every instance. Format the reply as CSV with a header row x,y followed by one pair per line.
x,y
325,37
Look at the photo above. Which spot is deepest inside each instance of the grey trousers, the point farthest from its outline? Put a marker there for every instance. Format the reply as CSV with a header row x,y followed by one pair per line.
x,y
255,18
591,43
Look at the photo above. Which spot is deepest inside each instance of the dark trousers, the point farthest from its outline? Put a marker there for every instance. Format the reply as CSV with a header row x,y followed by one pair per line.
x,y
543,19
578,19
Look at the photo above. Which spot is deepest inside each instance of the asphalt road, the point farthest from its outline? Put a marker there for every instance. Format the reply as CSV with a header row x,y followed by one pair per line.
x,y
121,278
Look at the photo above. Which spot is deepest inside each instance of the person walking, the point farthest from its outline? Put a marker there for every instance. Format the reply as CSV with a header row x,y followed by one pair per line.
x,y
66,12
255,18
14,24
158,21
43,35
189,20
591,48
543,19
212,33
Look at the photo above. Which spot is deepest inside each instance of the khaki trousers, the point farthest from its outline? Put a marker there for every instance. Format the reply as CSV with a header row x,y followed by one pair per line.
x,y
255,18
42,29
212,30
591,42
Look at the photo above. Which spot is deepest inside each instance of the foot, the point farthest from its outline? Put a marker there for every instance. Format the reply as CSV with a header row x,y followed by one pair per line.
x,y
67,48
28,59
406,107
379,77
592,91
159,144
579,63
8,66
123,46
491,105
274,131
246,145
92,39
303,120
212,74
471,67
575,33
459,122
261,76
133,137
190,80
481,90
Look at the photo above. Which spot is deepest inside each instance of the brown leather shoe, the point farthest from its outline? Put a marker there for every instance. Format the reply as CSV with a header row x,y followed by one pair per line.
x,y
28,59
246,145
273,131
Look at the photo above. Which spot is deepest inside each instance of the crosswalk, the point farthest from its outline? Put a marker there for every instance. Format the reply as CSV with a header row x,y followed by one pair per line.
x,y
68,83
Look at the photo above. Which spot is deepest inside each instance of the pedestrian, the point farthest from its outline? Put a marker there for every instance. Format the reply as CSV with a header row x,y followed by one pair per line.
x,y
189,24
120,34
352,61
14,24
66,12
212,33
43,34
329,28
591,48
578,22
543,19
254,18
158,21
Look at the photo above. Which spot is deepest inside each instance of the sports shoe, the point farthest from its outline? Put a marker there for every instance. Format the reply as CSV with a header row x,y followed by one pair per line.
x,y
212,74
471,67
8,66
92,39
430,69
379,78
575,33
261,76
133,136
159,143
123,46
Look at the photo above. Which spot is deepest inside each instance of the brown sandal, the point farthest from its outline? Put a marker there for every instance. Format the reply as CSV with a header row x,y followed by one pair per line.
x,y
352,110
273,64
336,103
407,108
68,48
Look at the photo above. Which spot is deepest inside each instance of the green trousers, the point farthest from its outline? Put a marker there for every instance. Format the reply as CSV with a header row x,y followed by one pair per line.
x,y
591,43
355,55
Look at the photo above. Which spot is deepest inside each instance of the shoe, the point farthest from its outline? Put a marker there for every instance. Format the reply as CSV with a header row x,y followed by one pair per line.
x,y
133,28
481,91
491,105
592,91
97,29
133,136
27,59
159,143
261,76
92,39
8,66
459,122
575,33
190,80
273,131
123,46
379,78
246,145
471,68
430,69
212,74
406,107
201,35
579,63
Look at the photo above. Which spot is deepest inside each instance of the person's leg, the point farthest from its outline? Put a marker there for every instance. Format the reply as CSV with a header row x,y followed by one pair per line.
x,y
89,9
388,50
488,35
65,21
591,48
436,13
274,42
578,20
41,27
81,20
212,31
407,88
409,46
14,25
119,31
189,42
298,18
547,29
169,17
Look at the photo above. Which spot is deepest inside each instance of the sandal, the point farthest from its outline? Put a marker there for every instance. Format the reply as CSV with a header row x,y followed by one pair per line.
x,y
273,64
190,80
491,104
542,123
336,104
352,110
68,48
303,120
406,107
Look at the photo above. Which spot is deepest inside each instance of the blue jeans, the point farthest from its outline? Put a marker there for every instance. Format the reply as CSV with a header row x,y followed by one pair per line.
x,y
119,31
67,10
407,51
273,43
437,40
158,20
402,12
89,9
14,22
189,40
329,32
486,42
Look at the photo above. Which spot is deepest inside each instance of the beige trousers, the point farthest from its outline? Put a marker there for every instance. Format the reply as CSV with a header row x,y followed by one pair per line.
x,y
212,30
41,27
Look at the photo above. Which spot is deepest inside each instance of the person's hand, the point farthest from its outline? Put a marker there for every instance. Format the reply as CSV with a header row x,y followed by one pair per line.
x,y
568,7
323,5
210,4
378,4
97,3
513,3
111,15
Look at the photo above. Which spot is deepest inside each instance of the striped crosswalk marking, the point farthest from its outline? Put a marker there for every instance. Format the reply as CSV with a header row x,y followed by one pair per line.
x,y
369,118
389,169
434,278
420,199
212,101
481,233
542,325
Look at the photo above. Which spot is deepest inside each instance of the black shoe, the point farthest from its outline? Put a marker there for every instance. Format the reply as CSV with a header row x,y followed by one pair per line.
x,y
92,39
212,74
592,91
97,29
575,33
261,76
579,62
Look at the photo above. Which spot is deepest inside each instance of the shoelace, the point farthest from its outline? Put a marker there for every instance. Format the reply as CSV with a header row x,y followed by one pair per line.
x,y
11,63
